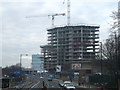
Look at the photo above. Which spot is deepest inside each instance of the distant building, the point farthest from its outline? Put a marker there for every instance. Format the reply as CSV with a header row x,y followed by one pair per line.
x,y
46,50
37,62
73,47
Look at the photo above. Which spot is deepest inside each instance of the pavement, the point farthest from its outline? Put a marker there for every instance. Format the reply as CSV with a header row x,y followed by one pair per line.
x,y
84,85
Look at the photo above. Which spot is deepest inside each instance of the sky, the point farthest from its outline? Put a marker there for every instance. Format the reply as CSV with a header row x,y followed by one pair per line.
x,y
21,35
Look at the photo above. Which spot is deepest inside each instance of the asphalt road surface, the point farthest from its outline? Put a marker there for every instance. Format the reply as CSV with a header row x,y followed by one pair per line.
x,y
36,83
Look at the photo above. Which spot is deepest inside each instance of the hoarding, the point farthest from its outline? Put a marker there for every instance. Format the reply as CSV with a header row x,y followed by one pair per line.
x,y
76,66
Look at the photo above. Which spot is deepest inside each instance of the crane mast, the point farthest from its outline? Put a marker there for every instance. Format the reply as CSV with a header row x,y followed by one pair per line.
x,y
68,12
68,6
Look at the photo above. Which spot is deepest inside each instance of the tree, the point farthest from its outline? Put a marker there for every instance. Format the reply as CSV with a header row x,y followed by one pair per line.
x,y
112,44
111,47
111,53
114,16
8,70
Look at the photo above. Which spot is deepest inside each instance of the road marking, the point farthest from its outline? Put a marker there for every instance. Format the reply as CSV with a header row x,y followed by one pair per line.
x,y
35,84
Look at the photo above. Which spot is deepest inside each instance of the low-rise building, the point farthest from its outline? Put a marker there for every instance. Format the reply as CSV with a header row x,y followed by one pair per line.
x,y
37,62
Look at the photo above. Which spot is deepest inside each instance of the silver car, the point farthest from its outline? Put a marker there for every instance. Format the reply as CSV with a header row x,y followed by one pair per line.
x,y
70,86
61,83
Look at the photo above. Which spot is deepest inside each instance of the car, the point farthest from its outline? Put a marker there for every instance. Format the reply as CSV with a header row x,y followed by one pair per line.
x,y
41,77
49,79
70,86
61,83
66,82
17,87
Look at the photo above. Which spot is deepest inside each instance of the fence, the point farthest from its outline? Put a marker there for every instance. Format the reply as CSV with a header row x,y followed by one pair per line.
x,y
107,81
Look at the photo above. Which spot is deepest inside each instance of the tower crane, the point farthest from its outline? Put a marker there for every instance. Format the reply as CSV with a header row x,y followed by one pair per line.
x,y
68,11
52,15
63,14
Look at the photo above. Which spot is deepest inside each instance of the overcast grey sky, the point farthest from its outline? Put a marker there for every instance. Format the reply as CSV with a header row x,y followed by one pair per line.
x,y
20,35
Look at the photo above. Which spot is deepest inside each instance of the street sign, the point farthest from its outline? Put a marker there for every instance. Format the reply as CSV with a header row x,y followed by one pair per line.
x,y
58,68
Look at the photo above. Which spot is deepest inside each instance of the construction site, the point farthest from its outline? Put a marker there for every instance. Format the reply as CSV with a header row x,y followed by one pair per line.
x,y
72,47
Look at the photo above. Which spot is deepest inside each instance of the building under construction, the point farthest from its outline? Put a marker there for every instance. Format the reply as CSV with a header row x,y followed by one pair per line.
x,y
73,47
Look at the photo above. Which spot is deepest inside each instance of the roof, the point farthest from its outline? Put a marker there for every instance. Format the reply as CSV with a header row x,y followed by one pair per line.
x,y
75,25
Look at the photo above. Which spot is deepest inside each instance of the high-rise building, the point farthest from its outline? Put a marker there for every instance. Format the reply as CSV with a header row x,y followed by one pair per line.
x,y
37,62
73,47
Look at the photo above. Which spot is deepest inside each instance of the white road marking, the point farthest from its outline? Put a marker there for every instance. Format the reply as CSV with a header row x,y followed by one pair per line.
x,y
35,84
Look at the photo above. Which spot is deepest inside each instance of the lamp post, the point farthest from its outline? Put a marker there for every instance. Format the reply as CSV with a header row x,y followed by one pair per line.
x,y
101,57
21,75
21,61
101,65
116,59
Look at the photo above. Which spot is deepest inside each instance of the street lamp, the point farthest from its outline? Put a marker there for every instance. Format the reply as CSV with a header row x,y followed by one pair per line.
x,y
101,56
21,60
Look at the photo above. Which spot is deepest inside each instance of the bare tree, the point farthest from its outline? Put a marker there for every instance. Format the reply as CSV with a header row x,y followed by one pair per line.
x,y
111,47
114,16
111,53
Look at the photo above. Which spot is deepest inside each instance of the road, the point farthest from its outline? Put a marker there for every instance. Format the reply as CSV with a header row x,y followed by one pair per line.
x,y
36,82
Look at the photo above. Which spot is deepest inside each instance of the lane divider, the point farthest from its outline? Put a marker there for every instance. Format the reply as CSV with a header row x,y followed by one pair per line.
x,y
35,84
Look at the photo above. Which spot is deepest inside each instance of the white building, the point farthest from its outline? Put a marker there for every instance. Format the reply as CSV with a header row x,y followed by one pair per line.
x,y
37,62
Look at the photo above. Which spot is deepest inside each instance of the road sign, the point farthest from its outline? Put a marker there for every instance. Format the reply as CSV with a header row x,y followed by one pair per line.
x,y
58,68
